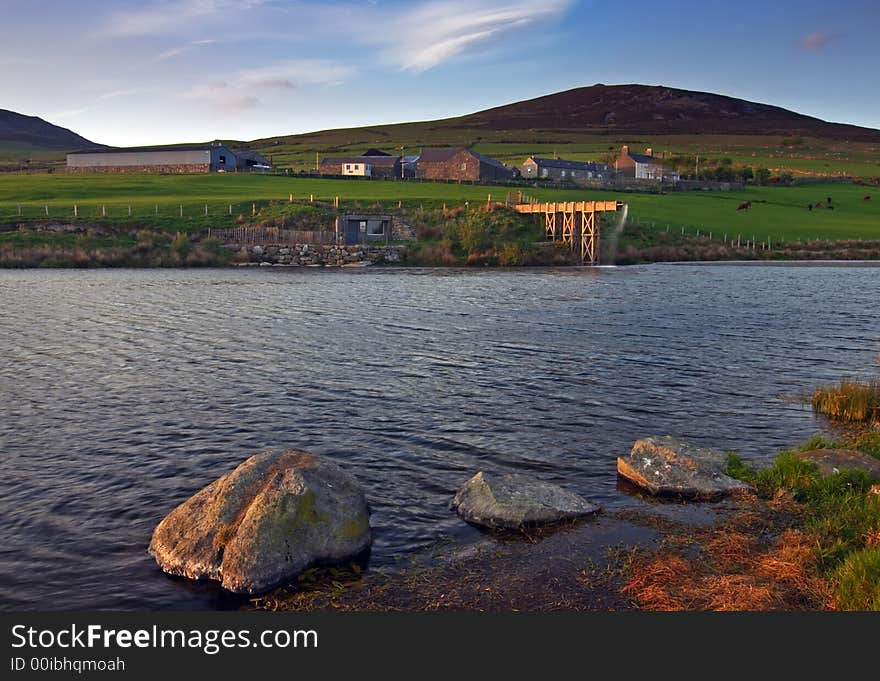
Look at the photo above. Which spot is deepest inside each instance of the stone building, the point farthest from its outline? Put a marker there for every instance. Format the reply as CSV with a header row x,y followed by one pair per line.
x,y
643,166
560,170
459,163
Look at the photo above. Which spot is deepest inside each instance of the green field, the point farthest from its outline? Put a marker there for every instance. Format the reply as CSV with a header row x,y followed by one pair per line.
x,y
777,213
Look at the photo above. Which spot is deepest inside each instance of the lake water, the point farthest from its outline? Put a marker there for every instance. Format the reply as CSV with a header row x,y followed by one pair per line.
x,y
123,392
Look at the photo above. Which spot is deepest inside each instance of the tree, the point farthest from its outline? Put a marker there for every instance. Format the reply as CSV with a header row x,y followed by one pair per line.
x,y
762,176
745,174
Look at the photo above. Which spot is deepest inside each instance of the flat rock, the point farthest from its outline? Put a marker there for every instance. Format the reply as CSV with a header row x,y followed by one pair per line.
x,y
515,501
831,461
262,524
666,466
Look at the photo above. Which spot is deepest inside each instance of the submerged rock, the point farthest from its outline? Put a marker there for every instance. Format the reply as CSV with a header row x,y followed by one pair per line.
x,y
515,501
265,522
666,466
831,461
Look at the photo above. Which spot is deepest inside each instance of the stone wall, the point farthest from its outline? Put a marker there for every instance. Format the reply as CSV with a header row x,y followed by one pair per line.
x,y
316,255
174,169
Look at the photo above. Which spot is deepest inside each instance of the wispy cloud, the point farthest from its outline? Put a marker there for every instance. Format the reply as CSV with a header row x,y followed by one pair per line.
x,y
222,92
290,75
70,113
114,94
181,49
816,41
243,89
171,16
432,33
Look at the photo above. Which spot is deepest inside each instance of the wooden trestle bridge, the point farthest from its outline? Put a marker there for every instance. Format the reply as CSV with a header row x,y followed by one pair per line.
x,y
573,222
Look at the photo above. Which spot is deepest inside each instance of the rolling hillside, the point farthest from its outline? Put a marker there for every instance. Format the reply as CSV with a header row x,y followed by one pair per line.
x,y
37,143
589,122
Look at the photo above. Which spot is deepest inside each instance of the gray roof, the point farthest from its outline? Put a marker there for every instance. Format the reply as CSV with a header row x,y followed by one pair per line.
x,y
641,158
568,165
169,147
252,155
441,155
378,161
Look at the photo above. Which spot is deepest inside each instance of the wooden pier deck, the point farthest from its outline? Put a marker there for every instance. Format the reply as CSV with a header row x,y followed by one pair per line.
x,y
573,223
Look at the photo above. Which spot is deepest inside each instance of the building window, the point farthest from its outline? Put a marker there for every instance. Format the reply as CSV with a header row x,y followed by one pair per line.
x,y
376,228
363,226
464,166
222,160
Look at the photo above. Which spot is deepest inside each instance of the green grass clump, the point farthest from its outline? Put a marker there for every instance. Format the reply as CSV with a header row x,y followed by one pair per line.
x,y
788,472
849,401
858,580
840,514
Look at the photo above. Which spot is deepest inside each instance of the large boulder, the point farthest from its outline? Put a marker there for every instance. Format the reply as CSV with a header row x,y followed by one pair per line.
x,y
666,466
265,522
831,461
516,501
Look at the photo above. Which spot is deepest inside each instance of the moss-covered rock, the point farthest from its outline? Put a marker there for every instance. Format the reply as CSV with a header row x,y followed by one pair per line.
x,y
259,526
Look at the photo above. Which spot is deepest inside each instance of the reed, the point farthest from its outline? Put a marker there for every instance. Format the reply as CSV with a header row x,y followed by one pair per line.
x,y
854,401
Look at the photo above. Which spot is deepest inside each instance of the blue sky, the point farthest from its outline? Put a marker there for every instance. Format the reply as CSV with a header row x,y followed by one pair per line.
x,y
162,71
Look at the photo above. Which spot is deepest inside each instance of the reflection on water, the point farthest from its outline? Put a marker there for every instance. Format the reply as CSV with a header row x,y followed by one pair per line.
x,y
123,392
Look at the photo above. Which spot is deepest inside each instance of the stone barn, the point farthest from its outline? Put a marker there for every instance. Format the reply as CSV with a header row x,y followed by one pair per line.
x,y
459,163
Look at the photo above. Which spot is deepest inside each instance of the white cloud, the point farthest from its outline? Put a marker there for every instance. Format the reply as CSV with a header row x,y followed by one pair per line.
x,y
171,16
182,49
435,32
70,113
243,89
114,94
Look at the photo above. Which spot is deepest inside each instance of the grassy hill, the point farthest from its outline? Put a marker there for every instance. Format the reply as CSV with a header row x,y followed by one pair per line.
x,y
31,142
591,123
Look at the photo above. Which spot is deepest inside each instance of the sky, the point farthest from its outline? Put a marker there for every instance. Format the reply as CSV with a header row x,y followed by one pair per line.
x,y
129,72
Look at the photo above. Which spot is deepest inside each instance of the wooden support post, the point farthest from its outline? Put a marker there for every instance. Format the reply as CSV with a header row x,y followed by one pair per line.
x,y
290,199
206,210
253,209
311,198
103,211
181,210
129,211
75,212
47,209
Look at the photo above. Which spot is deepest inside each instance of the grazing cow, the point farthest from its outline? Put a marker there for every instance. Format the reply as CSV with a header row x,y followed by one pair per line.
x,y
819,204
809,206
867,198
828,200
745,205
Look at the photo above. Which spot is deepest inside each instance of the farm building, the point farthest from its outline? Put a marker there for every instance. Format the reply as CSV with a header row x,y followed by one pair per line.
x,y
362,229
182,158
643,166
560,170
459,163
363,166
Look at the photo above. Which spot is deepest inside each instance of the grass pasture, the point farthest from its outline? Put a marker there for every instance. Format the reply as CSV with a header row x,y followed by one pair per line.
x,y
777,213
